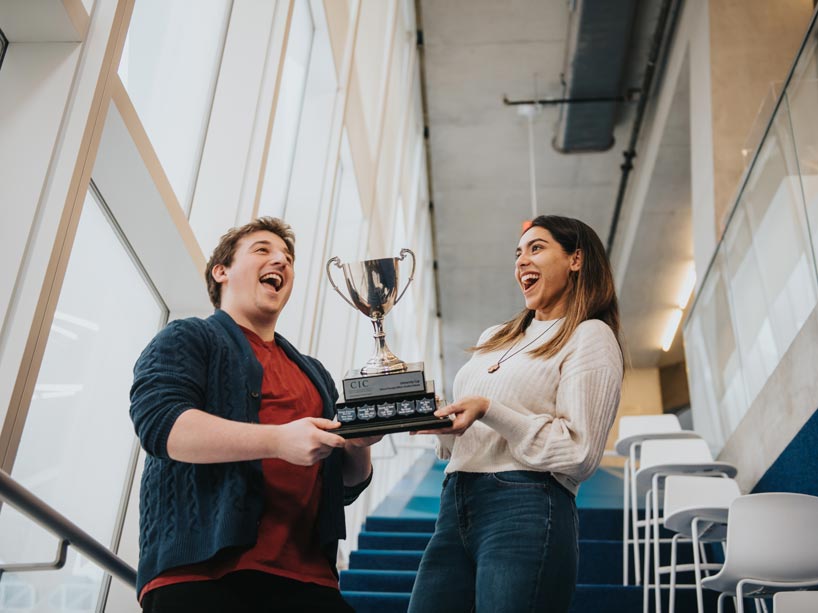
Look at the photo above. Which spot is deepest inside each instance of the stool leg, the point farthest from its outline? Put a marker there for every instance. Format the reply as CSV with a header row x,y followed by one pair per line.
x,y
634,514
697,567
626,523
740,597
646,573
657,562
672,595
703,554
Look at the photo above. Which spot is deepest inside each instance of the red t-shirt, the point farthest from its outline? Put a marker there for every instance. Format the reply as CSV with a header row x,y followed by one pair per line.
x,y
287,543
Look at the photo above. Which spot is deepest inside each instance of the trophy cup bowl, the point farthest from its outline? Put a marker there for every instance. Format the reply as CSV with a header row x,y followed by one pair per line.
x,y
386,395
372,287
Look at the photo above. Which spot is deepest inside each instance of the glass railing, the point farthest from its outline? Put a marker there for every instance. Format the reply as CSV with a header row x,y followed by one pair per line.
x,y
761,285
4,43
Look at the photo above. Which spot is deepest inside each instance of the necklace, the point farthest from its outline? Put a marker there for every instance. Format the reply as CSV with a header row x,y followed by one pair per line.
x,y
496,366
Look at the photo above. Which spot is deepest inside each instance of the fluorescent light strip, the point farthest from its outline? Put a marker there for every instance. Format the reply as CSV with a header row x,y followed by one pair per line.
x,y
687,287
685,292
670,329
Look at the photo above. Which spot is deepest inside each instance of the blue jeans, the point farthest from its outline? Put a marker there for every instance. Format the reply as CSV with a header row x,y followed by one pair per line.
x,y
503,542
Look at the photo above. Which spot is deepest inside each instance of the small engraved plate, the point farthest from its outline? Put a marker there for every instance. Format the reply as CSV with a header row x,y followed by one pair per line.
x,y
361,387
366,412
387,409
425,405
406,407
346,415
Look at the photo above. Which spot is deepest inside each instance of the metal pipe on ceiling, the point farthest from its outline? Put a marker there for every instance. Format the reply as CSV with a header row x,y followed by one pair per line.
x,y
598,41
662,35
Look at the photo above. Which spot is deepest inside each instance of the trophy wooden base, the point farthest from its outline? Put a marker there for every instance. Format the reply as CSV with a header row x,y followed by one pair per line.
x,y
386,414
390,426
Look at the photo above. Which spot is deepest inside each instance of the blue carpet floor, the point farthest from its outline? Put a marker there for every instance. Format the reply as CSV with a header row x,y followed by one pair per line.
x,y
382,571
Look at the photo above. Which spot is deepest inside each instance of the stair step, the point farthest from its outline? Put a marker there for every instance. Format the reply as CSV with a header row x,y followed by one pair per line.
x,y
627,599
595,524
606,524
384,568
378,602
590,569
600,562
411,541
599,524
399,524
378,580
587,599
384,560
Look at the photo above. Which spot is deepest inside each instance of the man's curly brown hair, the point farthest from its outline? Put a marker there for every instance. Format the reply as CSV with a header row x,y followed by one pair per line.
x,y
226,249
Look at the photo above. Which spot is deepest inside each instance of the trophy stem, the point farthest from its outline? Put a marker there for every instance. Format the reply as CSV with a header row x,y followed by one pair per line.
x,y
384,361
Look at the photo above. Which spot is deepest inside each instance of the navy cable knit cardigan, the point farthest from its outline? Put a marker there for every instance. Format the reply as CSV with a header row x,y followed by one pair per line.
x,y
189,512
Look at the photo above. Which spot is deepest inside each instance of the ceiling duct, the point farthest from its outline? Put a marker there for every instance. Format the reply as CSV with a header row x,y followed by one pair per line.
x,y
599,34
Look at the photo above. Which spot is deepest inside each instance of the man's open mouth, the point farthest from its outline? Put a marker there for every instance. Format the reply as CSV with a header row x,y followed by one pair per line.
x,y
274,279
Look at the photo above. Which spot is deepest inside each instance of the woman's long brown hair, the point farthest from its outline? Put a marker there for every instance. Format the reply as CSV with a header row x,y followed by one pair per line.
x,y
591,291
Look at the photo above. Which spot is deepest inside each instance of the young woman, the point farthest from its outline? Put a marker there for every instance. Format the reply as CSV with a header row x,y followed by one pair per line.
x,y
532,412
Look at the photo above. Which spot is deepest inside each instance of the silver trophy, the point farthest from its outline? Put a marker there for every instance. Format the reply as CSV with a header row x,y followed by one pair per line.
x,y
373,290
386,395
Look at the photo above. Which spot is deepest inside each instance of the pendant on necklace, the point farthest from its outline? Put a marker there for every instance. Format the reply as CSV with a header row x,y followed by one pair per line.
x,y
494,368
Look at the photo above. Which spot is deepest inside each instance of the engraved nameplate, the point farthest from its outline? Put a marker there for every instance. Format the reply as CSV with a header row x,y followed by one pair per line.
x,y
360,387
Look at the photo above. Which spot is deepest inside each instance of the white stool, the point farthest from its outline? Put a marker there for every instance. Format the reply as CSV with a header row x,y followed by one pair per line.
x,y
633,429
660,459
795,602
696,509
772,546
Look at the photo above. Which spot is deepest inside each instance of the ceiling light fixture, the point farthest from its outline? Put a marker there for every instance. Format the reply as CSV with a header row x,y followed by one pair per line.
x,y
685,292
670,328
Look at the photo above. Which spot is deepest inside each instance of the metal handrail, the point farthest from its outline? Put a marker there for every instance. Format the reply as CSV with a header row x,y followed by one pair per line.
x,y
64,529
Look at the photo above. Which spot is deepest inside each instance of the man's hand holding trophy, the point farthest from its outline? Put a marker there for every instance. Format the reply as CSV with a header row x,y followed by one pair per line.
x,y
386,394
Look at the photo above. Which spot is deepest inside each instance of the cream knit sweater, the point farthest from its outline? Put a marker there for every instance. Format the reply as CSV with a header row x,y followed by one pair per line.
x,y
544,414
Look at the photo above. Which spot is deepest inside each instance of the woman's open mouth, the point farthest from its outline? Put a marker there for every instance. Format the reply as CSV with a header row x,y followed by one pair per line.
x,y
528,280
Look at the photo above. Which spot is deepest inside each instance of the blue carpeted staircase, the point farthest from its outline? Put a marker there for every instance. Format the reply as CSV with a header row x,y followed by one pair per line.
x,y
382,571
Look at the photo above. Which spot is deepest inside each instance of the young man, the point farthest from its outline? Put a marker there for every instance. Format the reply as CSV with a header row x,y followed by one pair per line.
x,y
244,484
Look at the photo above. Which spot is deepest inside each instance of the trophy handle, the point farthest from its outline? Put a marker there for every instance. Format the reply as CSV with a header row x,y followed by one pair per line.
x,y
337,261
403,253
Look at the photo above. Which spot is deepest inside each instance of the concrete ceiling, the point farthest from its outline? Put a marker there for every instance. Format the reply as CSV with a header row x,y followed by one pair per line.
x,y
477,51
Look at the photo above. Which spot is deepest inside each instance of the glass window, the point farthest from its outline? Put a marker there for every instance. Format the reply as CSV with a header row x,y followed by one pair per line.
x,y
78,444
762,285
802,100
288,112
769,261
348,242
169,66
394,127
308,179
717,394
369,63
405,317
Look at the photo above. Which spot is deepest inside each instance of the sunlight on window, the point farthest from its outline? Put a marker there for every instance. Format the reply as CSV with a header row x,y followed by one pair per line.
x,y
77,446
